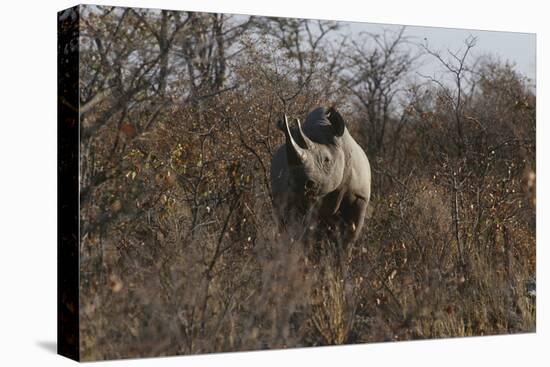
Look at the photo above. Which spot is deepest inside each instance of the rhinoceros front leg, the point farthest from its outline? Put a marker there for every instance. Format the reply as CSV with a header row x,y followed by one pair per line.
x,y
354,220
350,221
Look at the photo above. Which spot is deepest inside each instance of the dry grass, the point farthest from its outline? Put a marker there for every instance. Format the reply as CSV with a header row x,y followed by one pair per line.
x,y
180,251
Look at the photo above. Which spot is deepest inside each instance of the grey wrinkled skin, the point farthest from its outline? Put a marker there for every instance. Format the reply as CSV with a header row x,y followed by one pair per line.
x,y
321,177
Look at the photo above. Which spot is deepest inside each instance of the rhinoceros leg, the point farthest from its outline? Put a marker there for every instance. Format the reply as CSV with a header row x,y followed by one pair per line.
x,y
345,227
353,215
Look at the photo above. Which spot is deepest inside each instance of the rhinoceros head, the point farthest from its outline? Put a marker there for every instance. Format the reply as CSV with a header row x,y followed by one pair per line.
x,y
316,162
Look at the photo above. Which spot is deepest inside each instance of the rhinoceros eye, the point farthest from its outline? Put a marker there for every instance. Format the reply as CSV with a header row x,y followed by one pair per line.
x,y
309,185
325,163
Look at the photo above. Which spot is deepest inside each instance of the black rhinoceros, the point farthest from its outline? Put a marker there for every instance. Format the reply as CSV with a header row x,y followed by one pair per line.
x,y
321,177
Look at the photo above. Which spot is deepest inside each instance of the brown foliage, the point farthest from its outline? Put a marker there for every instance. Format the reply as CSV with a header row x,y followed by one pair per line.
x,y
180,251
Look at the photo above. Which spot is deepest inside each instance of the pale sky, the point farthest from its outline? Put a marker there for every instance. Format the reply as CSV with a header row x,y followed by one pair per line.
x,y
517,48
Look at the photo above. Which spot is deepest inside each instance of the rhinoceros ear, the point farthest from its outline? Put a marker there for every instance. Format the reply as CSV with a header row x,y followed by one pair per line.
x,y
337,121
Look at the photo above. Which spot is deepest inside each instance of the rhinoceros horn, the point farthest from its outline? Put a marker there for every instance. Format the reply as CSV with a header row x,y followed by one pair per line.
x,y
294,151
306,142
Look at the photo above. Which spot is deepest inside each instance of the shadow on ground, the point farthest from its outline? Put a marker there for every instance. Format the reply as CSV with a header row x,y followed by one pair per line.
x,y
50,346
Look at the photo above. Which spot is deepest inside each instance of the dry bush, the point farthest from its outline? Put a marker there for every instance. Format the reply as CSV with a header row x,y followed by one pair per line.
x,y
180,247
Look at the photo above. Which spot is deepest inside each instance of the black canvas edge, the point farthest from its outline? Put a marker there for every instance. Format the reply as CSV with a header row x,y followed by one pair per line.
x,y
68,236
